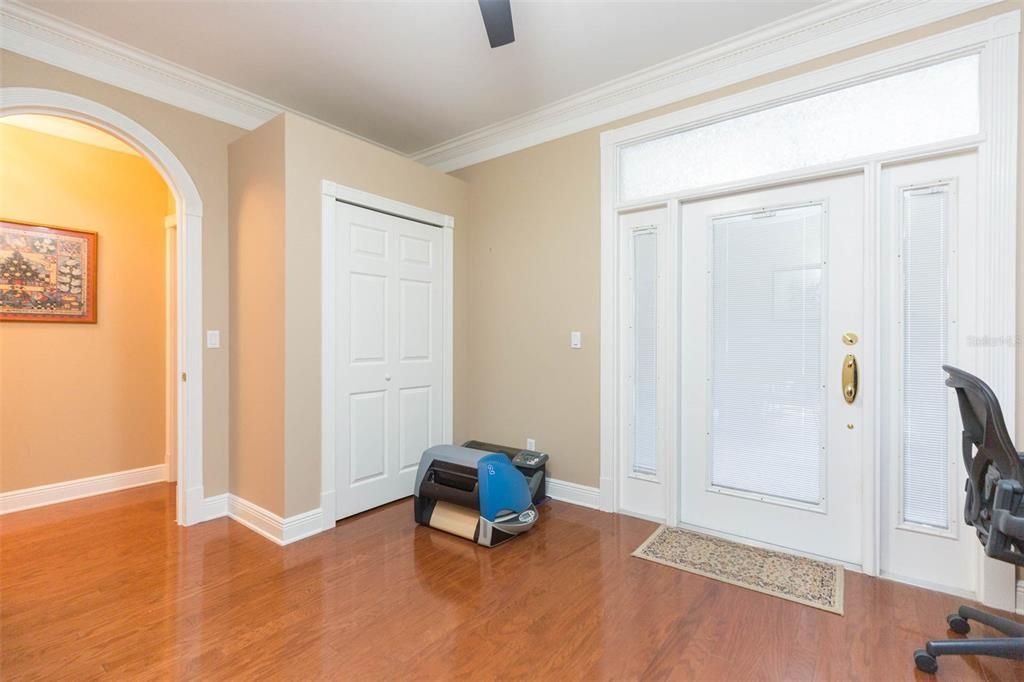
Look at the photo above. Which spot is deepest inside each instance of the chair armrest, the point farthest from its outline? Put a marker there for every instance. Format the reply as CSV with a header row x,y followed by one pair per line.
x,y
1007,528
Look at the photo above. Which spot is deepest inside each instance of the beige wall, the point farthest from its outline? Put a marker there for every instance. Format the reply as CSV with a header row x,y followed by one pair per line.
x,y
201,145
276,432
534,261
527,272
535,266
256,217
313,153
85,399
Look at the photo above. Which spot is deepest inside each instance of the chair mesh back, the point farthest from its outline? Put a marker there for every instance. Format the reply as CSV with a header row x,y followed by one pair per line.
x,y
988,451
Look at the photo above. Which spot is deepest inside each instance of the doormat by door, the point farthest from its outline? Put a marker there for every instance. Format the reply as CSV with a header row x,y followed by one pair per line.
x,y
805,581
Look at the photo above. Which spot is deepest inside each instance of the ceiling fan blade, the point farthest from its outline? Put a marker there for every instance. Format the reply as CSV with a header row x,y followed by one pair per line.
x,y
497,16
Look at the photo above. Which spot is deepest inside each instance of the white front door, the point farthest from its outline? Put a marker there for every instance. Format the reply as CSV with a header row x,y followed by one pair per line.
x,y
771,450
389,340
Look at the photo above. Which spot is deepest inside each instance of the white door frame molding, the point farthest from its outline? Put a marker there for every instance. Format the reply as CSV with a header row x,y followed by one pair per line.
x,y
331,193
996,40
19,100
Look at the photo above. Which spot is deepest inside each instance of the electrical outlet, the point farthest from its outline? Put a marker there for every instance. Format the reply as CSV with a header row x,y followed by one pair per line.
x,y
531,444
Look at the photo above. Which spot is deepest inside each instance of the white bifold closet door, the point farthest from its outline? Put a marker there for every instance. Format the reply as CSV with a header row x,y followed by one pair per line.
x,y
389,354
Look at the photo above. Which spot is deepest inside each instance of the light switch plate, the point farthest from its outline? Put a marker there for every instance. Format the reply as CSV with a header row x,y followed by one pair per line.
x,y
575,340
213,338
531,444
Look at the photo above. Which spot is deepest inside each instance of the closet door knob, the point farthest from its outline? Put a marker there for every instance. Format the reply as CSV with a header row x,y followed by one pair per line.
x,y
387,377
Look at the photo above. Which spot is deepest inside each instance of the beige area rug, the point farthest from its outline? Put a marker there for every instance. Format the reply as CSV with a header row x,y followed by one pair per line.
x,y
805,581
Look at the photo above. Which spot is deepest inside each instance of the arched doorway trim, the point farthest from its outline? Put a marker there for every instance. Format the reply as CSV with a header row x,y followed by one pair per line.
x,y
20,100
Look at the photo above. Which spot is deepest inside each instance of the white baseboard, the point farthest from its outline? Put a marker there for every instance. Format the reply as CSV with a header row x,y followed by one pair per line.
x,y
215,507
607,499
278,530
574,493
302,525
256,518
39,496
328,512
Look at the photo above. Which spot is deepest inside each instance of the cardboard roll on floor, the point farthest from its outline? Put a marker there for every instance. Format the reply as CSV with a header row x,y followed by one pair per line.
x,y
451,518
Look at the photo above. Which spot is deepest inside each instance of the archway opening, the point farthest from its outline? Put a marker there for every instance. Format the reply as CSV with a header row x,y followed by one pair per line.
x,y
181,426
87,297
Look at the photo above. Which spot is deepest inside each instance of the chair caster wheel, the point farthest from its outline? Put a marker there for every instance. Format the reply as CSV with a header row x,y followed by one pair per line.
x,y
925,662
957,624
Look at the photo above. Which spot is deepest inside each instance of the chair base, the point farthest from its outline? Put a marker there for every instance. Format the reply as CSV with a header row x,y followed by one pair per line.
x,y
1011,646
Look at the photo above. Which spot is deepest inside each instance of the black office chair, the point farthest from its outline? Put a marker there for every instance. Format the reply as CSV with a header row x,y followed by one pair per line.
x,y
995,507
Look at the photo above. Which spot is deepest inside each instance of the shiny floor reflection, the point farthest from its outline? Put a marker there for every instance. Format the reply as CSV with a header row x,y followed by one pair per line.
x,y
111,587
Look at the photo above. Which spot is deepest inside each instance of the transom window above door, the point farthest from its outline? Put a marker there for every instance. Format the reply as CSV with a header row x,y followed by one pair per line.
x,y
902,111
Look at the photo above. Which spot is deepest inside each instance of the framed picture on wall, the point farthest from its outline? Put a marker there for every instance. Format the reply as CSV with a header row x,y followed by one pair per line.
x,y
47,273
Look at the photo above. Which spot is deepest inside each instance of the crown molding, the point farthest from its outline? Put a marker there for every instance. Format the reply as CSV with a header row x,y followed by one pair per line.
x,y
52,40
817,32
55,41
805,36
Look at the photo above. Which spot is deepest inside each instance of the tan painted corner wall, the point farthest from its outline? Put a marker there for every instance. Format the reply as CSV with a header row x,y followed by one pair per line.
x,y
534,261
256,348
85,399
276,173
314,153
535,264
201,144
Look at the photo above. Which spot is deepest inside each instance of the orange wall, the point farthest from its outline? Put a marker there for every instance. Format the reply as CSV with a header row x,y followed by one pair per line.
x,y
81,400
201,144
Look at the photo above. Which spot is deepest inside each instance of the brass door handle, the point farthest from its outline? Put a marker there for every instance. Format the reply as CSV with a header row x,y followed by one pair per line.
x,y
850,378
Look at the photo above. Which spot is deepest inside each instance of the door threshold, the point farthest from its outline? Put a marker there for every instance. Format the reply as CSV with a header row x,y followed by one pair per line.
x,y
638,515
767,545
927,585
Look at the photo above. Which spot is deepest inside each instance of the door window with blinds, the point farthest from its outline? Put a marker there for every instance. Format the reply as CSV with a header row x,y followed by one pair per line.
x,y
925,257
645,350
767,430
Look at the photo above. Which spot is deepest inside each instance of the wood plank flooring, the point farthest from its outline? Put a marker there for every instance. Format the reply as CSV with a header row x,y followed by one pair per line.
x,y
111,587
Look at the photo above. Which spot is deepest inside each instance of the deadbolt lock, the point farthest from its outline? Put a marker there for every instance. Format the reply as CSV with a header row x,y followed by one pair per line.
x,y
849,338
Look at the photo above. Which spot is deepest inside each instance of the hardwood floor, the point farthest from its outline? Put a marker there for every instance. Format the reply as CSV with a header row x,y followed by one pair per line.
x,y
109,586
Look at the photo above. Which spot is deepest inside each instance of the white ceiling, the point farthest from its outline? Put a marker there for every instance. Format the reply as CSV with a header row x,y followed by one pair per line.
x,y
410,75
